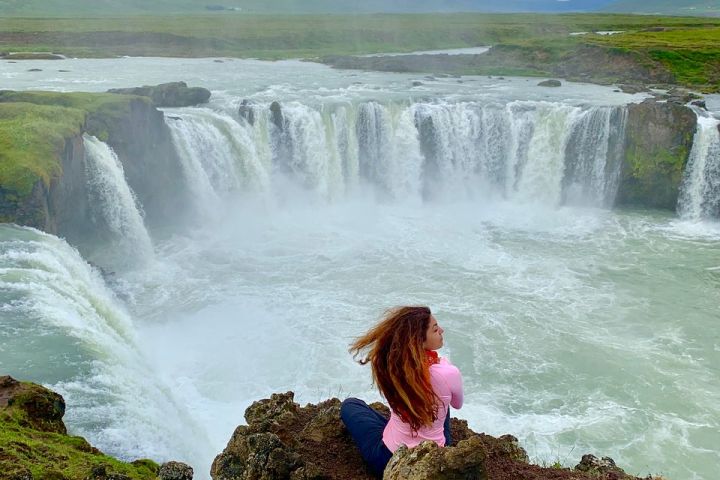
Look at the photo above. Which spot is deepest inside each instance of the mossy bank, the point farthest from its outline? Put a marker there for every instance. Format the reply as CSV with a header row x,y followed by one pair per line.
x,y
34,443
43,180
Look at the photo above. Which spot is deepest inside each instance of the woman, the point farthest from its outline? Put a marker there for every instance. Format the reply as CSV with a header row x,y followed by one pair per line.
x,y
418,385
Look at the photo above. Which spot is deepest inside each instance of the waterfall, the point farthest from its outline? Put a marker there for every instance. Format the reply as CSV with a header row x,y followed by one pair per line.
x,y
527,151
700,190
218,155
113,205
595,149
64,327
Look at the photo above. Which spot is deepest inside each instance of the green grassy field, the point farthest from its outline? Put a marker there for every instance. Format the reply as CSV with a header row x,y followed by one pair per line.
x,y
686,46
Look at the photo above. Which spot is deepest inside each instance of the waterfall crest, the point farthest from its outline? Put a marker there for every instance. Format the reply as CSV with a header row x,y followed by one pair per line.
x,y
700,189
526,151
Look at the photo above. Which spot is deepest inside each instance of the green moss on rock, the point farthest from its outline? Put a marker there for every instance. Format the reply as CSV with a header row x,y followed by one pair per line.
x,y
33,444
658,141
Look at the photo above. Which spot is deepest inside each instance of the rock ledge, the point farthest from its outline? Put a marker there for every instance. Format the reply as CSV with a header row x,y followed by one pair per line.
x,y
284,440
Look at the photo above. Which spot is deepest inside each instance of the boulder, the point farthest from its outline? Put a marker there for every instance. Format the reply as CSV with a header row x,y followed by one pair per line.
x,y
427,461
42,409
247,112
602,467
284,440
34,444
175,471
173,94
550,83
276,115
629,88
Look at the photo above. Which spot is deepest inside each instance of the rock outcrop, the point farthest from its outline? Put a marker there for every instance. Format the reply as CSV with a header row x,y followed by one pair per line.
x,y
284,440
658,140
173,94
34,444
143,143
550,83
43,181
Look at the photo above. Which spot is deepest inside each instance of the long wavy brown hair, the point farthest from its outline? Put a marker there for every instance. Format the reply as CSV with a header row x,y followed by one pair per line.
x,y
399,363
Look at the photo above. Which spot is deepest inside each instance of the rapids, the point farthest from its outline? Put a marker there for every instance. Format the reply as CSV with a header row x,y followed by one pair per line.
x,y
577,328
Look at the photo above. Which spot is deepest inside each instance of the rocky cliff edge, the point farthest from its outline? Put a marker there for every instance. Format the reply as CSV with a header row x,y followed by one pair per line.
x,y
283,440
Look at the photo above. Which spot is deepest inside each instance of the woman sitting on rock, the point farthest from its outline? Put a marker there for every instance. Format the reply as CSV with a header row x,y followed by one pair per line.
x,y
417,383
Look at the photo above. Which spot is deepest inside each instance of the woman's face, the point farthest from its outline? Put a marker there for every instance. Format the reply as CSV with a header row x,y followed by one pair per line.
x,y
433,336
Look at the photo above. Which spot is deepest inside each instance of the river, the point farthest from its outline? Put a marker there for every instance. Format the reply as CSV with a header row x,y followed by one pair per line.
x,y
577,328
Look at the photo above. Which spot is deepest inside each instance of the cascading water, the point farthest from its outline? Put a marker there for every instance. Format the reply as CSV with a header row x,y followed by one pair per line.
x,y
85,345
218,155
114,207
700,190
547,153
595,151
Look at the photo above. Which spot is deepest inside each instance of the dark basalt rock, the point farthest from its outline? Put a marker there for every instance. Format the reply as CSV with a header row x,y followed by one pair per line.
x,y
175,471
550,83
276,115
174,94
284,440
247,112
626,88
658,140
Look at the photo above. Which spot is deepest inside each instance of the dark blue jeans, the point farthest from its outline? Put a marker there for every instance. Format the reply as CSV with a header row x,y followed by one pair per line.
x,y
366,428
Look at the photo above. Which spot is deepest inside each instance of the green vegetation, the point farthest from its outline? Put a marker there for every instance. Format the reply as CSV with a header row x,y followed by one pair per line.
x,y
691,54
34,127
686,48
31,140
288,36
47,453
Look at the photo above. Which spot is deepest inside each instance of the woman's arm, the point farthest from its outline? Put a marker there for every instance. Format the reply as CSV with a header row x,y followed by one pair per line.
x,y
454,380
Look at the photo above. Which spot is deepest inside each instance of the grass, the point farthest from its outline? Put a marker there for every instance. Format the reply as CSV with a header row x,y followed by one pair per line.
x,y
32,138
691,54
55,456
34,127
687,47
278,36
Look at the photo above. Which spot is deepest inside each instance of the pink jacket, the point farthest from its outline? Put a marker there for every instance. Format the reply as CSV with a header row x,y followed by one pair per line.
x,y
447,384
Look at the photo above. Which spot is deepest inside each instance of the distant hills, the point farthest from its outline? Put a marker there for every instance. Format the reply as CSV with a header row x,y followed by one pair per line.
x,y
150,7
666,7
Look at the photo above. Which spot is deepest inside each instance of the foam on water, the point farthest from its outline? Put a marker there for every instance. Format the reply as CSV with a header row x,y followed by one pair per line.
x,y
541,311
63,327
